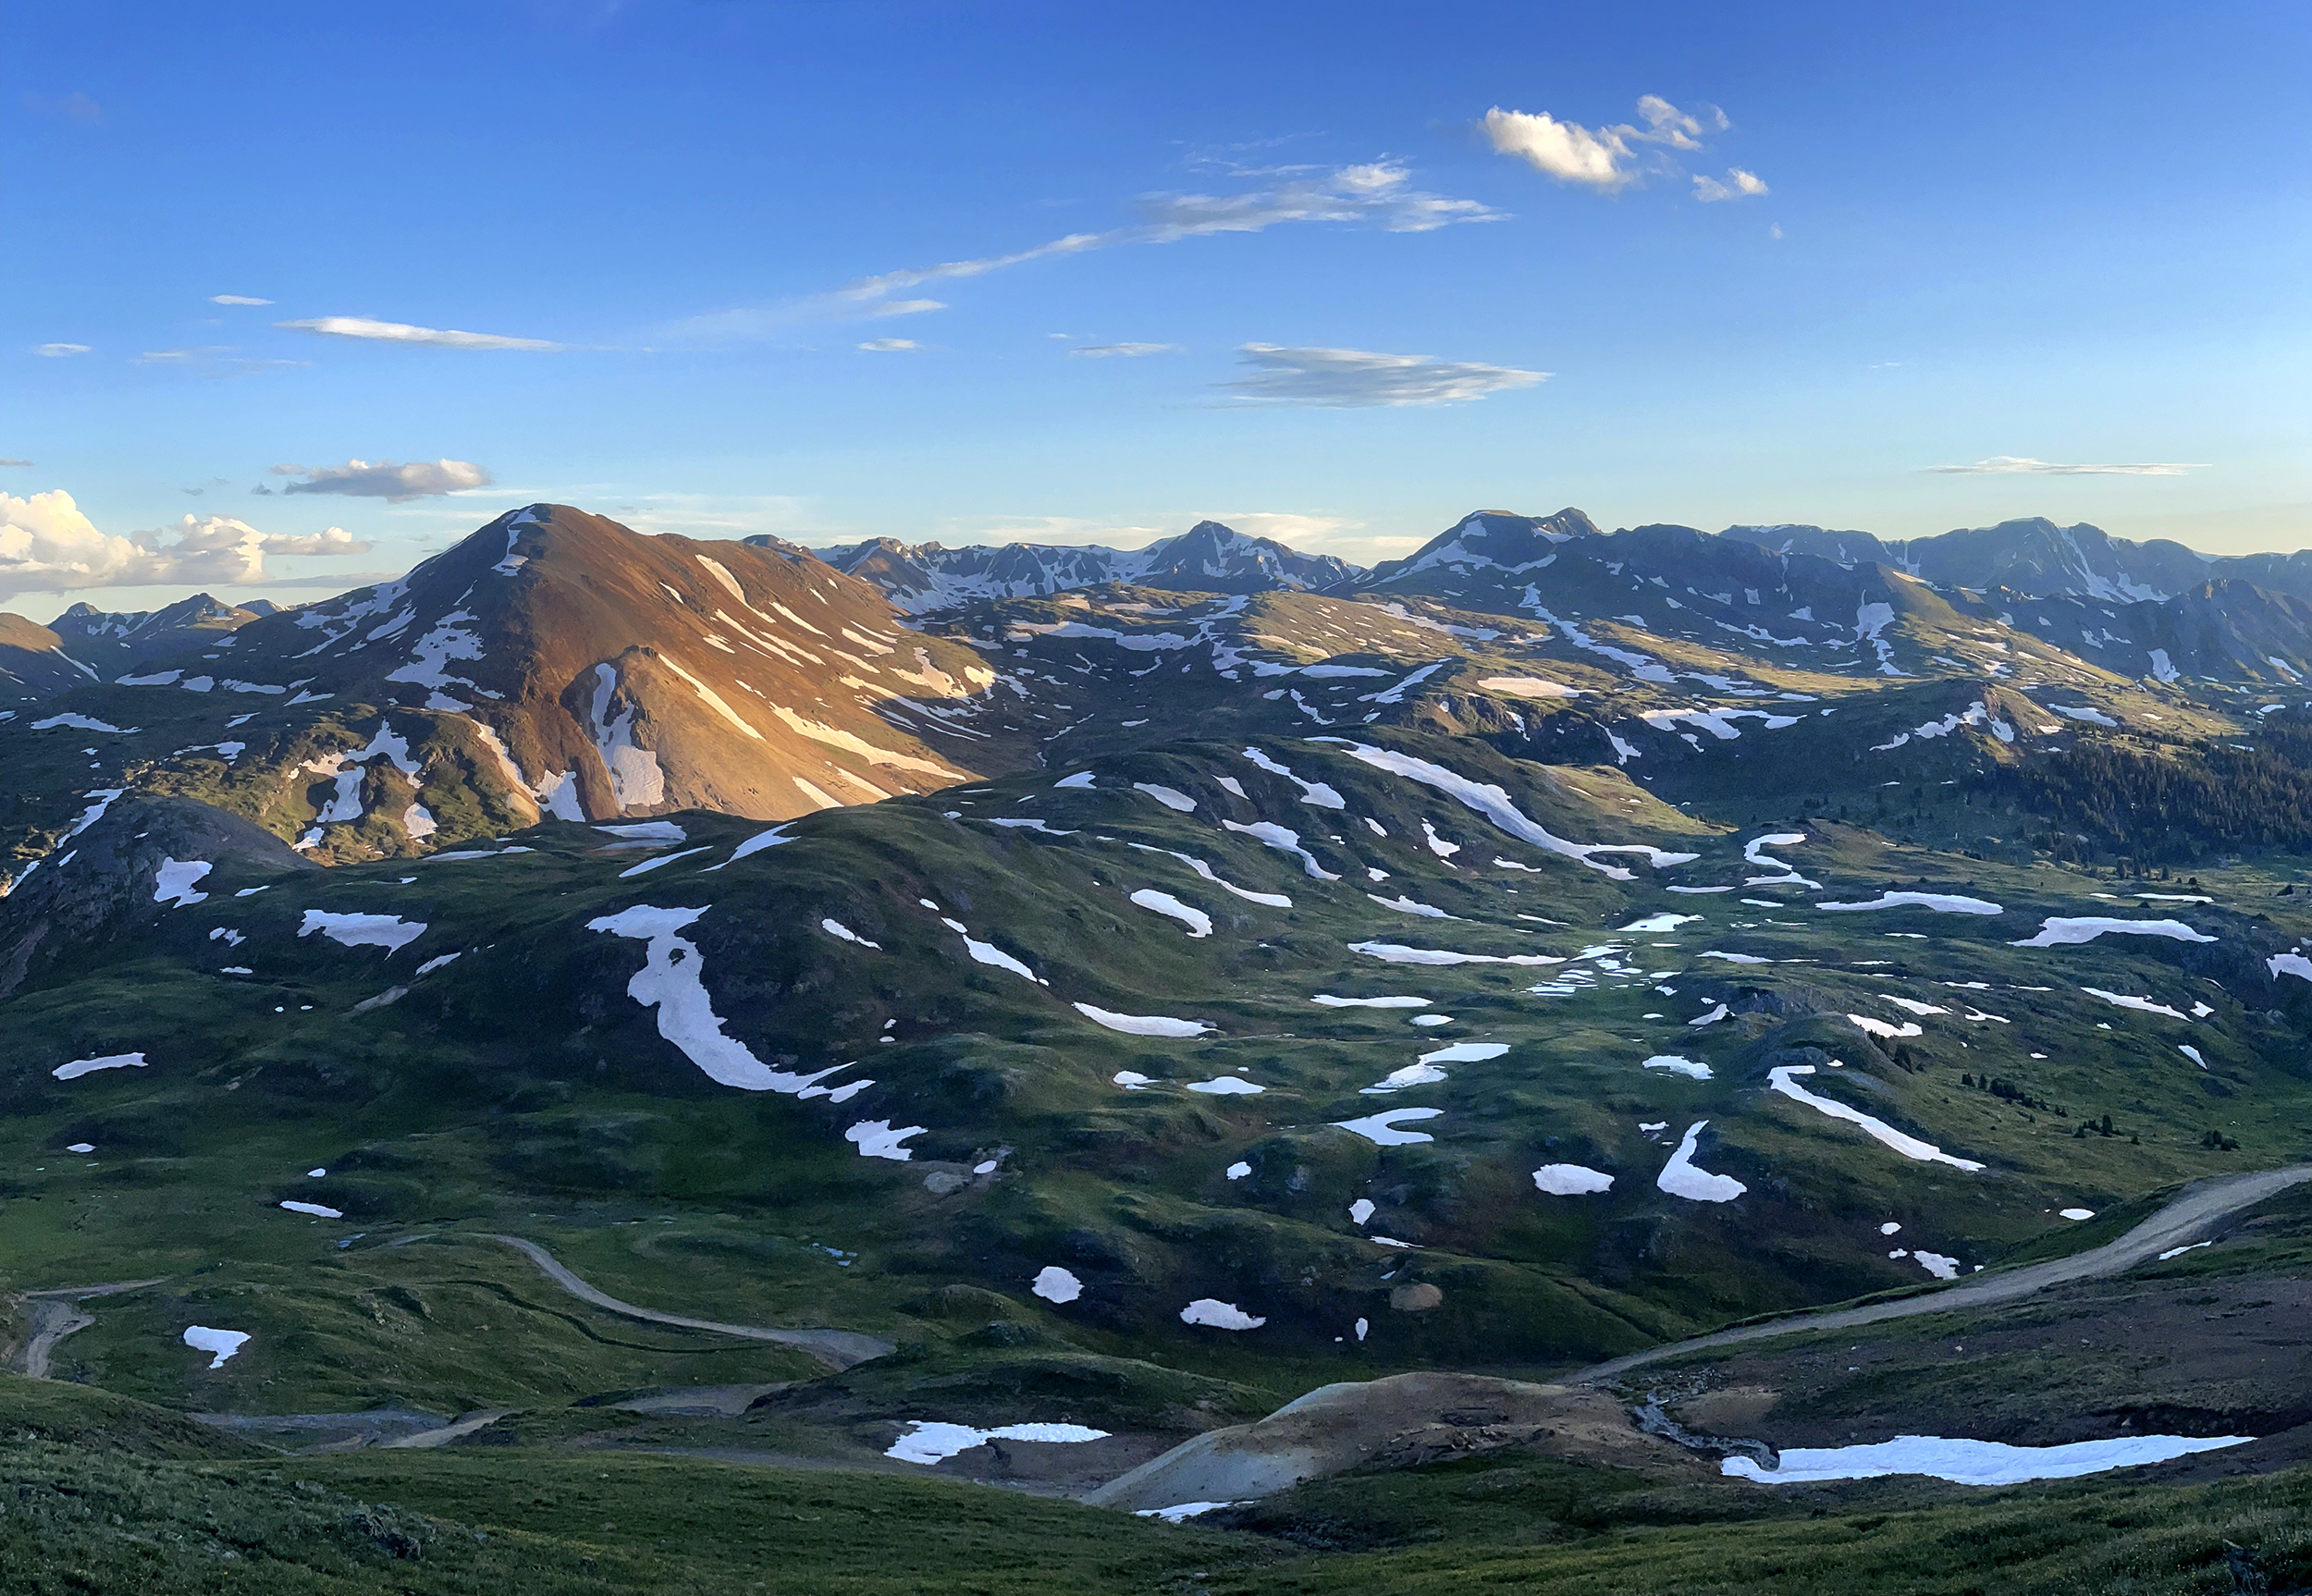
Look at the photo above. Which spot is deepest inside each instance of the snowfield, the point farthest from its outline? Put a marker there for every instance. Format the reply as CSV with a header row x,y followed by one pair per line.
x,y
928,1442
1143,1025
1941,902
1974,1462
1199,923
1784,1079
672,982
78,1067
388,931
1381,1129
1680,1177
1495,804
1219,1314
2060,931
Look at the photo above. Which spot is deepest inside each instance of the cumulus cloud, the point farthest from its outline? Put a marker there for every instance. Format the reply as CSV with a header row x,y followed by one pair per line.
x,y
890,346
386,480
1739,185
236,300
1595,157
1110,352
58,351
2016,465
1373,195
1611,158
1359,378
404,333
48,545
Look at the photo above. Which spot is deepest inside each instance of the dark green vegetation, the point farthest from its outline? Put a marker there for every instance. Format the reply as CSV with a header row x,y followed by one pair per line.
x,y
96,1517
2175,807
1623,834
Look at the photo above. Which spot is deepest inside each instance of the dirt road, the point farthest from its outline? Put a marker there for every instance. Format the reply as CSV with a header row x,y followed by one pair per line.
x,y
2197,1209
838,1348
56,1313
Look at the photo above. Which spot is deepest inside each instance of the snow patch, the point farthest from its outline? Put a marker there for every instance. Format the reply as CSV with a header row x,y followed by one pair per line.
x,y
1681,1178
1784,1079
1570,1180
2062,931
1143,1025
1973,1462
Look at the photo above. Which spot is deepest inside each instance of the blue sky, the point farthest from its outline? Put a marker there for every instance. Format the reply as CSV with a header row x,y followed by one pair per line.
x,y
1339,302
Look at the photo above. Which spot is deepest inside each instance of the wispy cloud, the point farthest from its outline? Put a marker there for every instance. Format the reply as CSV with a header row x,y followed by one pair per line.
x,y
386,480
48,545
1109,352
22,462
1739,185
1665,124
215,360
1373,195
1609,159
59,352
236,300
2014,465
404,333
1359,378
909,307
890,346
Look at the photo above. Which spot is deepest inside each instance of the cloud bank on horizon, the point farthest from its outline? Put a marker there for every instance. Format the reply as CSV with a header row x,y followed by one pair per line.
x,y
48,545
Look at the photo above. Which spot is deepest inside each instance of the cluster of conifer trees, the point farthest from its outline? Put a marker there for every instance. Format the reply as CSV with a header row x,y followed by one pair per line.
x,y
2100,798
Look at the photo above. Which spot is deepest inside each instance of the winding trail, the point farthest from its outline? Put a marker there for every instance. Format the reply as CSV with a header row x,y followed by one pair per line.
x,y
840,1350
56,1313
2197,1209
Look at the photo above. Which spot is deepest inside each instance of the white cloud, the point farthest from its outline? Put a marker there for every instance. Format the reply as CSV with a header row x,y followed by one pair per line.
x,y
1597,158
1602,158
212,360
1739,185
1356,378
2013,465
58,351
47,546
404,333
908,307
1108,351
1665,124
890,346
1376,194
236,300
395,484
1295,529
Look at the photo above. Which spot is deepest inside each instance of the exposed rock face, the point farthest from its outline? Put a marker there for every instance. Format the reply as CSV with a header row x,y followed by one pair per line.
x,y
559,663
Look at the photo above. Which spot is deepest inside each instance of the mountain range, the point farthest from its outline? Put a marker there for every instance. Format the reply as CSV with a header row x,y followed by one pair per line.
x,y
1133,1002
